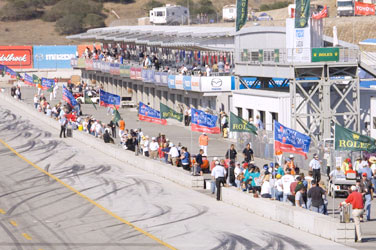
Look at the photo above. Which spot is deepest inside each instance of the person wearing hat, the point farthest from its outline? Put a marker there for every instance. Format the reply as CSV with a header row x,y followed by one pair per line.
x,y
315,166
153,147
145,148
356,200
238,172
278,188
336,173
203,141
366,190
174,154
366,169
350,171
219,173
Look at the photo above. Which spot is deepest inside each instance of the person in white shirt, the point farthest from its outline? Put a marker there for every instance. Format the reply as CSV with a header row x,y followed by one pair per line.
x,y
207,70
99,130
265,187
237,172
36,101
174,154
337,174
287,179
278,188
219,173
299,201
315,166
145,148
153,148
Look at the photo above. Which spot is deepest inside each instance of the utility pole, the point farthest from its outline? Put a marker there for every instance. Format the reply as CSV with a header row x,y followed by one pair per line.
x,y
189,12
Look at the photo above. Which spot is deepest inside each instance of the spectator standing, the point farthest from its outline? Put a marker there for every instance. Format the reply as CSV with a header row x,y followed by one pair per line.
x,y
121,127
145,148
199,162
219,173
112,126
316,194
238,171
286,180
259,124
315,166
248,153
185,158
174,154
356,200
153,147
365,170
36,101
299,200
231,174
278,186
367,191
203,141
231,153
221,66
207,70
227,67
63,125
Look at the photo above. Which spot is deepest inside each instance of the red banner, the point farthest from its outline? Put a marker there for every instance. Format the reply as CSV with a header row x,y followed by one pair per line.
x,y
152,119
364,9
208,130
323,13
16,57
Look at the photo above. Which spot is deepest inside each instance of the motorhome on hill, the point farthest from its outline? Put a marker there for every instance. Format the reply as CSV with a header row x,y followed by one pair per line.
x,y
169,15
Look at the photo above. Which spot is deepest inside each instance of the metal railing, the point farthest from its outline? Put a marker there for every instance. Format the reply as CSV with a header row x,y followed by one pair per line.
x,y
297,55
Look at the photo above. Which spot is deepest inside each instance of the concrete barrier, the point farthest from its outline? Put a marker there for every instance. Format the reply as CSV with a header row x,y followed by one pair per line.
x,y
177,175
305,220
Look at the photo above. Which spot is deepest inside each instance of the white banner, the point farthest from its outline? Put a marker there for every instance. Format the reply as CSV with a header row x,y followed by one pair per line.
x,y
298,42
195,83
217,83
179,82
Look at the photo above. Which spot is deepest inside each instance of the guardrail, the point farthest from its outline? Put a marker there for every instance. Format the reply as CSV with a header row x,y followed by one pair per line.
x,y
297,55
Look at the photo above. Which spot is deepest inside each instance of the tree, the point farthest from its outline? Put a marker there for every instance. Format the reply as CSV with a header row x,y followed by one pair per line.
x,y
15,10
206,6
153,4
69,24
93,21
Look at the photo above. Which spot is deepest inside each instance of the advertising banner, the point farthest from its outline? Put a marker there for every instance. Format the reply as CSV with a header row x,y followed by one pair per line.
x,y
109,100
150,76
290,141
81,63
196,83
138,74
325,54
144,74
74,62
148,114
171,81
298,42
238,124
217,83
364,9
28,80
53,57
125,70
47,83
179,82
167,112
97,65
114,69
89,65
346,139
157,78
302,13
187,83
204,122
241,13
68,97
164,79
133,73
16,57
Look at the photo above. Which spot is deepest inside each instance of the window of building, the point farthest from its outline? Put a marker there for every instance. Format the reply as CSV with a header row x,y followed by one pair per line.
x,y
274,116
250,113
240,112
262,117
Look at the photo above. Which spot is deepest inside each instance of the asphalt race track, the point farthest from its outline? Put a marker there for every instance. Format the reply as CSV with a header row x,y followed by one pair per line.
x,y
61,194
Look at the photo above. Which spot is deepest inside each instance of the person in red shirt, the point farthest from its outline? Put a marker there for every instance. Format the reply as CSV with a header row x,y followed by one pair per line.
x,y
356,200
350,170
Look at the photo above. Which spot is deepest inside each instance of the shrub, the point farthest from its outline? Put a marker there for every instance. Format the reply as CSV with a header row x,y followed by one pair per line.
x,y
69,24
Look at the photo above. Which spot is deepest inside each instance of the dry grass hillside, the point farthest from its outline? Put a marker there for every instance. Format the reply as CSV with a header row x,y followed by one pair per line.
x,y
350,29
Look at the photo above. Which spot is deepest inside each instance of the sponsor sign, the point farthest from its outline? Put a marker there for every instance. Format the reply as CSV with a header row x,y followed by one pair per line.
x,y
364,9
171,81
148,114
217,83
251,82
109,100
150,76
28,80
16,57
238,124
346,139
133,73
51,57
138,74
325,54
157,78
74,62
167,112
196,83
125,70
298,42
89,65
144,74
187,83
241,13
81,63
114,69
97,65
164,79
290,141
204,122
179,82
47,83
302,13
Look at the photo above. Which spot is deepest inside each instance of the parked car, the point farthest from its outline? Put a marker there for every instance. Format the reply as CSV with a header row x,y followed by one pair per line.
x,y
264,17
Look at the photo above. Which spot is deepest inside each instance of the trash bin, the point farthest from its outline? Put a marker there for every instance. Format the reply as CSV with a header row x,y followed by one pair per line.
x,y
69,131
344,215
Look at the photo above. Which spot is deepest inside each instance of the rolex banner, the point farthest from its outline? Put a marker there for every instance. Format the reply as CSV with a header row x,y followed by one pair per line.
x,y
241,13
167,112
238,124
346,139
302,13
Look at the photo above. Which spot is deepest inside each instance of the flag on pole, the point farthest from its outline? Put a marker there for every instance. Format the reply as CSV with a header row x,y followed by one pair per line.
x,y
109,100
167,112
241,13
3,69
28,80
204,122
238,124
68,97
117,116
36,80
148,114
302,13
88,100
290,141
346,139
322,14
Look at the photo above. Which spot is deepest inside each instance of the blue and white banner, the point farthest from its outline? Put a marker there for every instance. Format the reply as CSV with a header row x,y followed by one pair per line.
x,y
53,57
68,97
109,100
164,79
171,81
187,83
47,83
28,80
204,122
148,114
217,83
290,141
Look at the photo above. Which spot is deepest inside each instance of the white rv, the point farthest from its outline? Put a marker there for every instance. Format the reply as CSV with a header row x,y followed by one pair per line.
x,y
229,13
345,7
169,15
